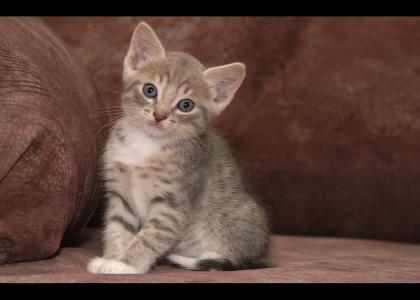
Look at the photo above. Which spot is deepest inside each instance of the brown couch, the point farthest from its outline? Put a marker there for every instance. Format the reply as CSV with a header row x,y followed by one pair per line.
x,y
326,125
327,121
48,141
301,259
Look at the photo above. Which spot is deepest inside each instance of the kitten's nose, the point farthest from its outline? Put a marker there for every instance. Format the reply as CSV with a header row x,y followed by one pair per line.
x,y
159,116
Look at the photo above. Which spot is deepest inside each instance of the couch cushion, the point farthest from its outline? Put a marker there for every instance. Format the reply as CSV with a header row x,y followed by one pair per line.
x,y
48,146
327,121
300,259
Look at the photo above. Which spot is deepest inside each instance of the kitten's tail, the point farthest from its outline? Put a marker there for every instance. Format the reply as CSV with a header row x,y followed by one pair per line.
x,y
212,264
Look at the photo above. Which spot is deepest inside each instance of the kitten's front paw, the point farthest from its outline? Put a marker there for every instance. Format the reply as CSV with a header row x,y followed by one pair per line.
x,y
101,265
94,265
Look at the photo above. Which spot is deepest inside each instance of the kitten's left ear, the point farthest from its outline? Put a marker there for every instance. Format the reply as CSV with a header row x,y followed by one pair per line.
x,y
145,47
224,82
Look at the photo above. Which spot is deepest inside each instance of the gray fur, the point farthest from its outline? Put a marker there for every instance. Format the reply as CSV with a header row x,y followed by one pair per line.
x,y
181,184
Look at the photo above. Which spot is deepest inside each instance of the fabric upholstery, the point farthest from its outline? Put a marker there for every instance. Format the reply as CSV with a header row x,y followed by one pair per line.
x,y
48,146
326,124
299,259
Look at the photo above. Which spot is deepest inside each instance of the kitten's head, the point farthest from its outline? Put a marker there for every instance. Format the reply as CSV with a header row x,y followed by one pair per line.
x,y
171,94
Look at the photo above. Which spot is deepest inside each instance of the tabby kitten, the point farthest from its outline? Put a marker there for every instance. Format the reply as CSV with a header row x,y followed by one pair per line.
x,y
174,190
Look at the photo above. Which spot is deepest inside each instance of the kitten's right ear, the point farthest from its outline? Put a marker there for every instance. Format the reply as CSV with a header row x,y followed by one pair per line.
x,y
145,47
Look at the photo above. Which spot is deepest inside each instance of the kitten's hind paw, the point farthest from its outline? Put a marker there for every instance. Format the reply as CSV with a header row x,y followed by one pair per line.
x,y
101,265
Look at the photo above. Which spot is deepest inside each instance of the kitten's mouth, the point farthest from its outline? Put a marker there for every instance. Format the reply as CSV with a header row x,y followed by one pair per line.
x,y
156,125
156,129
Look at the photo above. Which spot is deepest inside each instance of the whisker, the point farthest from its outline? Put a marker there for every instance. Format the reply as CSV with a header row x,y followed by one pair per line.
x,y
107,125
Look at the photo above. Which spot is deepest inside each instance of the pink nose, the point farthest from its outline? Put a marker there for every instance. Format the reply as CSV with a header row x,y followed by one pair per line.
x,y
159,117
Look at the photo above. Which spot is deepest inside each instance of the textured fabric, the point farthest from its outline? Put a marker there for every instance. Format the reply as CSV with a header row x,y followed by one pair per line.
x,y
300,259
48,147
327,122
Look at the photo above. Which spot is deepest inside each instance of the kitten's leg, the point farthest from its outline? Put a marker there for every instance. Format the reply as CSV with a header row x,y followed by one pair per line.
x,y
162,230
121,226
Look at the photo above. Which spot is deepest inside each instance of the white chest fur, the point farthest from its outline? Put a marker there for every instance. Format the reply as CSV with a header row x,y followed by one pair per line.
x,y
134,152
137,148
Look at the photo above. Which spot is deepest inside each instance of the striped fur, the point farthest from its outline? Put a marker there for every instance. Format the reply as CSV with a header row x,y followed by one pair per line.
x,y
174,188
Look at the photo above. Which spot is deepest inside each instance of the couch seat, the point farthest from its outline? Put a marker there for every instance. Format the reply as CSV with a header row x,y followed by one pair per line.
x,y
300,259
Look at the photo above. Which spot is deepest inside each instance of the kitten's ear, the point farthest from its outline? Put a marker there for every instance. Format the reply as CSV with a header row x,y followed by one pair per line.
x,y
145,47
224,81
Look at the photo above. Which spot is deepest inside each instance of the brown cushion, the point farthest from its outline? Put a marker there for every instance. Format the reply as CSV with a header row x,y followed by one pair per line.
x,y
326,123
48,147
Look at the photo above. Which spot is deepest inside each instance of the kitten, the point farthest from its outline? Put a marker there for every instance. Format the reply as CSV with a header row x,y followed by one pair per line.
x,y
174,190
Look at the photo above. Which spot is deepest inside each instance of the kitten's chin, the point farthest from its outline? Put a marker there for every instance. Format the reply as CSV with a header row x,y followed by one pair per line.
x,y
156,130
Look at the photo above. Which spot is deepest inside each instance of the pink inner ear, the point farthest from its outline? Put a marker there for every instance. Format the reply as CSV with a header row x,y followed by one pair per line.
x,y
222,87
139,54
134,58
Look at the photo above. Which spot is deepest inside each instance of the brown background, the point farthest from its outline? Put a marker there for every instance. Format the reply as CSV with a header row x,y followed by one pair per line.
x,y
326,124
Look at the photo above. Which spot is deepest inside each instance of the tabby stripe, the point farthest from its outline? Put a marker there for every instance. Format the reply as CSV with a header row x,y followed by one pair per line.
x,y
123,222
162,238
205,112
170,217
159,226
132,85
156,169
171,199
167,75
168,198
123,201
190,243
148,245
185,82
157,200
164,180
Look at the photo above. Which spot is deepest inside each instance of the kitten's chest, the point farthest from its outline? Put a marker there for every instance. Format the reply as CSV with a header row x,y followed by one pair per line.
x,y
136,150
130,163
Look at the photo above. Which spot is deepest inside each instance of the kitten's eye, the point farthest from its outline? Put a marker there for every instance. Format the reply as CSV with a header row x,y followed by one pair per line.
x,y
185,105
149,90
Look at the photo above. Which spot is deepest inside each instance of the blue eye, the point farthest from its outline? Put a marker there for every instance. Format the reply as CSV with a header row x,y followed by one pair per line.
x,y
149,90
185,105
